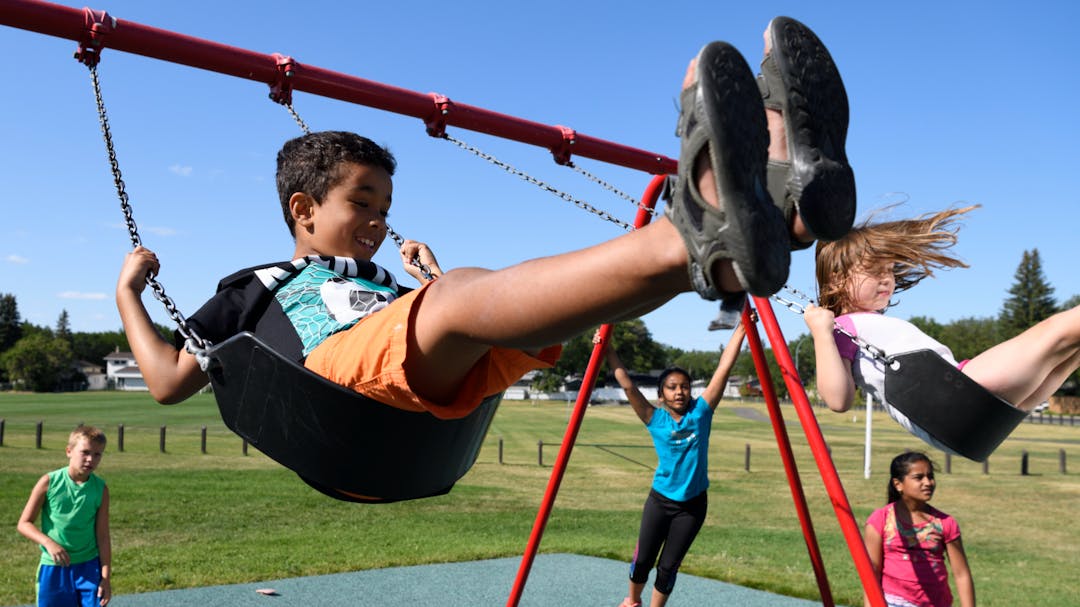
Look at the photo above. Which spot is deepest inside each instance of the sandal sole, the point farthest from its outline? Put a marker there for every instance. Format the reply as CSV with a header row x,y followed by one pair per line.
x,y
755,234
820,181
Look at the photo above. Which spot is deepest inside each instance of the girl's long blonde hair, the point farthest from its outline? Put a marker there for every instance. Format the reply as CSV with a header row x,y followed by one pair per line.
x,y
914,248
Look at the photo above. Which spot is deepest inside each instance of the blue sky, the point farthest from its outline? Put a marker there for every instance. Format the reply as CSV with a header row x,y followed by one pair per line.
x,y
951,103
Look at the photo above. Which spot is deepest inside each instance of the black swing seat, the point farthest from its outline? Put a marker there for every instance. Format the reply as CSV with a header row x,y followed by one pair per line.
x,y
953,408
346,445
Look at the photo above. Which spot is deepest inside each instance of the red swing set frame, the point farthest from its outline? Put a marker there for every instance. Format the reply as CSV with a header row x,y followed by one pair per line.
x,y
96,30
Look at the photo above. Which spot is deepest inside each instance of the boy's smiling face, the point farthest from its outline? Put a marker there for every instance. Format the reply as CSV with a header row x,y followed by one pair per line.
x,y
351,220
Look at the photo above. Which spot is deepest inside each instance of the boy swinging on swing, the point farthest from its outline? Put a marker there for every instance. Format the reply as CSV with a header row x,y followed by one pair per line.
x,y
471,332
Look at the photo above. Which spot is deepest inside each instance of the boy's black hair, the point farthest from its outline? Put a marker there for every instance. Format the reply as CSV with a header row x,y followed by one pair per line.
x,y
901,465
311,164
669,371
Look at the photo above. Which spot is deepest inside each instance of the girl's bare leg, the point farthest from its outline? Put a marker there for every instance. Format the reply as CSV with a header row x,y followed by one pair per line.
x,y
1028,368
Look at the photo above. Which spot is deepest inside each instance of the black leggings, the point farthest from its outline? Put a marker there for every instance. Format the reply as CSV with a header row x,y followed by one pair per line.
x,y
670,525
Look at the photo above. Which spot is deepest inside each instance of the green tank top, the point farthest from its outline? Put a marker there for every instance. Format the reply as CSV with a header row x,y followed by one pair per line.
x,y
69,515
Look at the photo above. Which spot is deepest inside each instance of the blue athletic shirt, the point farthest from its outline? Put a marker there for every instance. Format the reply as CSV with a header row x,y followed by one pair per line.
x,y
682,448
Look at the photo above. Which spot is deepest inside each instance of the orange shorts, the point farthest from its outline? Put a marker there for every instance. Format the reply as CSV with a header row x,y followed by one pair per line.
x,y
369,358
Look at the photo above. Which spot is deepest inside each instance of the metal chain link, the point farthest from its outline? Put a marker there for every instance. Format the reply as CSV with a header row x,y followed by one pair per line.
x,y
799,308
193,343
545,186
607,186
297,118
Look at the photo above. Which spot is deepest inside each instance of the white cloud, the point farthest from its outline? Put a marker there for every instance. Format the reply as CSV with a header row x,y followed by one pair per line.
x,y
78,295
161,231
183,171
19,259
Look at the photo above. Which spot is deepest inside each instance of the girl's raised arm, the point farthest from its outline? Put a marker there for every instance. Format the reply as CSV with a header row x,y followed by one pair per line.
x,y
641,405
715,390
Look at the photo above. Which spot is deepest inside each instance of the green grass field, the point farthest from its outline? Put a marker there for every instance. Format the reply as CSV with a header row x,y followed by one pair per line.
x,y
183,518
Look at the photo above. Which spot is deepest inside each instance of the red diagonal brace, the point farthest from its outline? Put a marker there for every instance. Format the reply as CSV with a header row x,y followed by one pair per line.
x,y
281,88
92,41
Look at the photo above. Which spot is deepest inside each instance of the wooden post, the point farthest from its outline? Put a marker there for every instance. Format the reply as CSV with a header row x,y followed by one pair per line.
x,y
243,447
540,453
1024,463
37,440
500,450
1061,461
986,466
120,437
746,464
948,463
161,441
204,440
1,432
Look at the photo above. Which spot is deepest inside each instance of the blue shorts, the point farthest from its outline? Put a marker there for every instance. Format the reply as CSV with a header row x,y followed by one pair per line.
x,y
67,586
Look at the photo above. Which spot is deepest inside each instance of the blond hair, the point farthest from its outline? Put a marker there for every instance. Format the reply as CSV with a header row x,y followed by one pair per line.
x,y
913,247
90,433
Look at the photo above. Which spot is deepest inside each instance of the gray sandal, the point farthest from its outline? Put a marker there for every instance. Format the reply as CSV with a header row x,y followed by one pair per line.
x,y
799,78
722,116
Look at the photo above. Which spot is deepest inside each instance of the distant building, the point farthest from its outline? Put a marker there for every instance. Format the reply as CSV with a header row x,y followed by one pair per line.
x,y
122,372
94,374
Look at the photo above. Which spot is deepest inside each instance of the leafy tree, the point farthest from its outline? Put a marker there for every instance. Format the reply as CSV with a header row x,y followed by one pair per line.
x,y
38,362
10,325
1031,298
94,347
1070,303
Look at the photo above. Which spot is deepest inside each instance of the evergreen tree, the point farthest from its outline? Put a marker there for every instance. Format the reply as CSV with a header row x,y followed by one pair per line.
x,y
10,325
1031,298
63,327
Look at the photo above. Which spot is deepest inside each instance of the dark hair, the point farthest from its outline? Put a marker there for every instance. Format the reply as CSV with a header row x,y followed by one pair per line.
x,y
899,468
312,164
669,371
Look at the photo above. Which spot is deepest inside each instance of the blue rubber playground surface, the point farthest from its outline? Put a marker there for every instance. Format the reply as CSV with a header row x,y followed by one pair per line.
x,y
555,580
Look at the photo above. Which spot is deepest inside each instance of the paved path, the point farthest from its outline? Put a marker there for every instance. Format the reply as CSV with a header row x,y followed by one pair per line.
x,y
558,580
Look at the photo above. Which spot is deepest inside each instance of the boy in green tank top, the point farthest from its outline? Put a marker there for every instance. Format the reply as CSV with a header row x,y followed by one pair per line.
x,y
76,551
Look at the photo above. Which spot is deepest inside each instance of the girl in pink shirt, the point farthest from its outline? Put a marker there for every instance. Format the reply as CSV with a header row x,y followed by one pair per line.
x,y
909,541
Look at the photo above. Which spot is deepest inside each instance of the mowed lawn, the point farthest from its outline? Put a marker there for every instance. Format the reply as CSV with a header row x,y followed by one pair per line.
x,y
183,518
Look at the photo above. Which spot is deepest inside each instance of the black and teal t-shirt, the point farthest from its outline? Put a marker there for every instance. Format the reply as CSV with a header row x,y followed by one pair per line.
x,y
293,306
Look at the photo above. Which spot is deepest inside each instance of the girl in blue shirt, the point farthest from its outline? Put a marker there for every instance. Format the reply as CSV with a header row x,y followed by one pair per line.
x,y
675,508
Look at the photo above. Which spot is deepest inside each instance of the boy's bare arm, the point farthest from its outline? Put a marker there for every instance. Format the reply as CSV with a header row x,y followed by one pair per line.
x,y
104,542
413,250
30,531
171,375
835,383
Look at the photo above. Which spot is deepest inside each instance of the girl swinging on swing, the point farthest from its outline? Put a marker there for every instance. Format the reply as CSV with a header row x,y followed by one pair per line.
x,y
857,277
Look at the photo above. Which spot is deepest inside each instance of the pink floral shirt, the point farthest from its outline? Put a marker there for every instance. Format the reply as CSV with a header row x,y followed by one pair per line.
x,y
914,565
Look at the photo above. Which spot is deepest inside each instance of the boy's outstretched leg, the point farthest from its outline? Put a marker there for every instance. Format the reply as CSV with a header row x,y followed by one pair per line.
x,y
807,110
721,226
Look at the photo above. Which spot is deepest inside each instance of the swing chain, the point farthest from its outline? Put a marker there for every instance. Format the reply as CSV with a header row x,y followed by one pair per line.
x,y
800,308
614,190
193,343
545,186
297,118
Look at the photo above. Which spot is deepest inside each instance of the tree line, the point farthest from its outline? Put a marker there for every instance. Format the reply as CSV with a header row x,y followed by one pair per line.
x,y
47,359
43,359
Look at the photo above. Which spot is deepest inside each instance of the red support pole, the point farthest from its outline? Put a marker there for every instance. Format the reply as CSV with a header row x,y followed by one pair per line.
x,y
846,518
131,37
572,427
787,456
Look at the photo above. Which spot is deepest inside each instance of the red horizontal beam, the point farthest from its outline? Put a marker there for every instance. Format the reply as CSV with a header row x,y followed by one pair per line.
x,y
127,36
